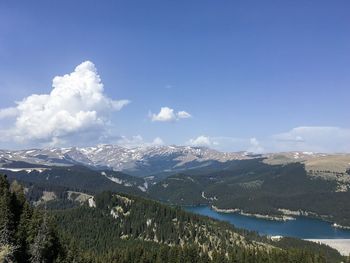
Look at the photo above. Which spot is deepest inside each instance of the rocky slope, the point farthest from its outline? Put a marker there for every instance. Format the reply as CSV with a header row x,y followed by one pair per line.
x,y
136,161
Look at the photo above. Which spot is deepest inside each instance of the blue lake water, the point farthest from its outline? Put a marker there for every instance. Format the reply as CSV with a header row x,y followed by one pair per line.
x,y
302,227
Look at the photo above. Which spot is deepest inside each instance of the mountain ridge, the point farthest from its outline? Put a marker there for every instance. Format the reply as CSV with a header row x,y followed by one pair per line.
x,y
148,160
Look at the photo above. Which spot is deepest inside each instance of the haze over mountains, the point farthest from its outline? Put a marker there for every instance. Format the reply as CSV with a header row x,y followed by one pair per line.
x,y
271,184
137,160
148,160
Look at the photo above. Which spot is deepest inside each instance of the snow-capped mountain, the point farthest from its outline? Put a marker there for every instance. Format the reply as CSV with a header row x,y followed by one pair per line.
x,y
143,160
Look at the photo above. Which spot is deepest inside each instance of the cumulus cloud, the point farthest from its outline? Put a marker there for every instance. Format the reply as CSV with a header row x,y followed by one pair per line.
x,y
167,114
312,138
308,138
201,141
183,115
255,146
75,108
8,112
220,143
136,141
324,139
157,141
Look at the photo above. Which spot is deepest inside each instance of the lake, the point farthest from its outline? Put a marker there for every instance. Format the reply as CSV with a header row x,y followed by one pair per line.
x,y
302,227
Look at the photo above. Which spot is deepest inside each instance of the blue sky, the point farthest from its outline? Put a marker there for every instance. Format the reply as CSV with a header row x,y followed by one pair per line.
x,y
251,75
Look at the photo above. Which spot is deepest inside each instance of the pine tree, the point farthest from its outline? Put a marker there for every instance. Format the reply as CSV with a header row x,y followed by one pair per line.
x,y
38,248
7,246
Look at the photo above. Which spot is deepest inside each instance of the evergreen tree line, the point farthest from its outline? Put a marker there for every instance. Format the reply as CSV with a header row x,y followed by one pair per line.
x,y
92,235
96,234
26,234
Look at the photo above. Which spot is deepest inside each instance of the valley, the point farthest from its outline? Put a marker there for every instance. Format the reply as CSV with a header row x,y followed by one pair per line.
x,y
277,186
299,227
283,198
110,227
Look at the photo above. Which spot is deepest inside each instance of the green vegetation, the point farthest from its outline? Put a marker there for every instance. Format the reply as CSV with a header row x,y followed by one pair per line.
x,y
159,233
252,185
258,188
125,228
79,178
26,234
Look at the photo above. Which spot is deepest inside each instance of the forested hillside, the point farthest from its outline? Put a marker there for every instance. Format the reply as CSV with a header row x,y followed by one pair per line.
x,y
131,229
26,234
252,186
78,178
127,221
258,188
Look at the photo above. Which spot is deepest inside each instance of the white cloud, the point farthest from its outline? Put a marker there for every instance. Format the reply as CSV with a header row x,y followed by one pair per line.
x,y
255,146
312,138
201,141
220,143
158,141
8,112
130,142
75,108
308,138
183,115
136,141
167,114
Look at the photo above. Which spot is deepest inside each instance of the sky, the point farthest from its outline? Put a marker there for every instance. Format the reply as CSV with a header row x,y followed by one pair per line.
x,y
261,76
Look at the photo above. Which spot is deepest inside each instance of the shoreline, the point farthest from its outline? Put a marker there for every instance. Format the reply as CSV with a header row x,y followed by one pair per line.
x,y
287,215
261,216
342,245
335,225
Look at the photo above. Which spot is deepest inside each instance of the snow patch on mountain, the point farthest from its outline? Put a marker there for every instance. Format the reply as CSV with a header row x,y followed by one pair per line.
x,y
120,158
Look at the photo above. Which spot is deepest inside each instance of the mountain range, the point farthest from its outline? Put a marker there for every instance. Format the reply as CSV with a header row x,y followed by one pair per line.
x,y
140,161
274,185
147,160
